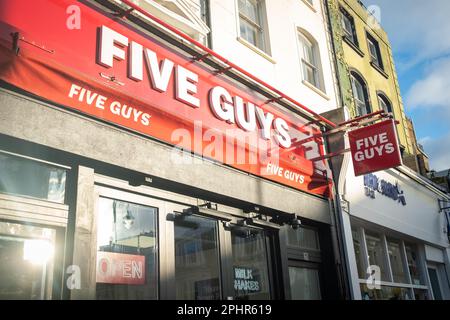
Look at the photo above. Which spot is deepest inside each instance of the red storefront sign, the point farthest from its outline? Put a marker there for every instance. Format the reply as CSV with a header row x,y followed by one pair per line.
x,y
375,148
120,268
110,71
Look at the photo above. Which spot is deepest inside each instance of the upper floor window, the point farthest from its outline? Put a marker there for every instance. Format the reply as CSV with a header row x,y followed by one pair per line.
x,y
360,94
310,59
251,22
374,50
383,103
310,2
348,25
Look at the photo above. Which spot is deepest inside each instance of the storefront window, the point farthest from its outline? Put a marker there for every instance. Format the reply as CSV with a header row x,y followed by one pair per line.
x,y
395,257
197,270
251,276
376,254
385,293
126,257
303,238
26,261
358,255
413,265
20,176
304,283
421,294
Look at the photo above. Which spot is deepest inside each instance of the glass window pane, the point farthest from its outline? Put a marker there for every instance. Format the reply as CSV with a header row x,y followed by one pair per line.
x,y
358,254
421,294
127,251
303,238
305,284
384,105
395,257
376,254
251,276
196,259
20,176
250,33
385,293
250,8
310,74
308,50
434,279
348,27
360,95
27,258
413,264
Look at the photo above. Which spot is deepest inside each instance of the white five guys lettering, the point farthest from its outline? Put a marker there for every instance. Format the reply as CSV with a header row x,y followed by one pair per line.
x,y
231,109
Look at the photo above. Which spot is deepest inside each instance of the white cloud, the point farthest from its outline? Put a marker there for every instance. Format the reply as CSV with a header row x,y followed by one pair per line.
x,y
434,89
439,152
417,29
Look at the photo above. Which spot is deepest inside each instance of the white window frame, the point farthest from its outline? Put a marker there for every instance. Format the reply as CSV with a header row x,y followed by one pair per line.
x,y
358,102
361,231
305,39
261,26
350,34
374,51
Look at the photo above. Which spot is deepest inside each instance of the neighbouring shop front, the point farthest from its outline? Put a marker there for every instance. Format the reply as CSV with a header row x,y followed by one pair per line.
x,y
397,236
130,169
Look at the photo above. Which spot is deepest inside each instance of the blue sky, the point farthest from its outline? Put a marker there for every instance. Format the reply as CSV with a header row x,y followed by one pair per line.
x,y
419,32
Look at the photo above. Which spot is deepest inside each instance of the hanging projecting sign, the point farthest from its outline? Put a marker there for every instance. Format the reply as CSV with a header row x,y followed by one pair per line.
x,y
110,71
375,148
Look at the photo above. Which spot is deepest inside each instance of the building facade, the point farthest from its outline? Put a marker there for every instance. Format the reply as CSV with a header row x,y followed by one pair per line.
x,y
115,137
394,224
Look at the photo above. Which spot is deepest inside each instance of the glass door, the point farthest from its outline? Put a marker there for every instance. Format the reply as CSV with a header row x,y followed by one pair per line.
x,y
127,262
250,264
304,281
217,260
27,261
197,268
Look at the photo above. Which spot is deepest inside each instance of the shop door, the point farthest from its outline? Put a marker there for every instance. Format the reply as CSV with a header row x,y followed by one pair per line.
x,y
127,245
27,261
217,260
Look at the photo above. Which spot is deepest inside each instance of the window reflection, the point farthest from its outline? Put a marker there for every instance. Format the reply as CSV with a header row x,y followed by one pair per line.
x,y
385,293
305,284
303,238
26,261
414,271
196,259
376,254
20,176
126,258
358,254
395,258
251,278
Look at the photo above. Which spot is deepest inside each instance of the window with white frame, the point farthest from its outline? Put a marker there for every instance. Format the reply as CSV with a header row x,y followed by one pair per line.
x,y
310,2
360,95
374,51
348,26
384,103
310,60
398,262
251,23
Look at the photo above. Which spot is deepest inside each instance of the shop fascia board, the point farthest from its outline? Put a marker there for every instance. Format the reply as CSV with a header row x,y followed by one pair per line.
x,y
225,66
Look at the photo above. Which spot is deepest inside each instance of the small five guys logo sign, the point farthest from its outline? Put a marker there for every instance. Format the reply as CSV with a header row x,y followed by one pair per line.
x,y
375,148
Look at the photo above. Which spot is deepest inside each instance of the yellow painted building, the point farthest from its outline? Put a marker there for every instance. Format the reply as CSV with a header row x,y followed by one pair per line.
x,y
366,69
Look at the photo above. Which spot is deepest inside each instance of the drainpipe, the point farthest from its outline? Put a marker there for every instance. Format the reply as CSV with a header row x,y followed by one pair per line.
x,y
337,218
